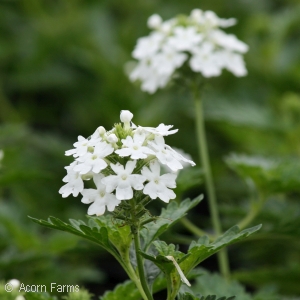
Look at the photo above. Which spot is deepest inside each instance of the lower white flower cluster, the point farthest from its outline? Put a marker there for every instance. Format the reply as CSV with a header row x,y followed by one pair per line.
x,y
196,38
121,161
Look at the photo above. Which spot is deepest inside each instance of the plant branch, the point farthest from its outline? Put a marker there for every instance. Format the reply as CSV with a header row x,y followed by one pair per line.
x,y
212,201
140,263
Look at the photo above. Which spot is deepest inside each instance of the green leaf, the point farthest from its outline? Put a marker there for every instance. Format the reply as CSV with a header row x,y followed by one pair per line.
x,y
197,252
168,217
190,296
126,290
119,236
39,296
82,294
271,175
202,249
214,284
129,289
164,249
241,113
94,233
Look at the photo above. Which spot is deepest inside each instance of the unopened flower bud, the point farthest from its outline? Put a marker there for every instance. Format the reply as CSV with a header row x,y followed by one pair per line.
x,y
154,21
197,14
126,117
112,138
101,130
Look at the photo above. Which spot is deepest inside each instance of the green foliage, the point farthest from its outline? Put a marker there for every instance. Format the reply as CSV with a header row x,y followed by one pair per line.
x,y
63,74
94,231
33,160
82,294
129,289
39,296
126,290
167,218
188,296
198,251
269,175
208,284
202,249
116,240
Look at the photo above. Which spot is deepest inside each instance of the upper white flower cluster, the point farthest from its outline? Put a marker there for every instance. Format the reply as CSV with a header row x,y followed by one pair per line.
x,y
196,38
122,161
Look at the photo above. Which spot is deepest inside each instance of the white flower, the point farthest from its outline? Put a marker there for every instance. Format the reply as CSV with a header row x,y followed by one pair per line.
x,y
184,38
228,41
147,46
134,147
196,39
206,61
154,21
183,159
233,62
118,173
99,133
166,26
161,129
212,20
82,146
20,297
99,197
124,180
94,161
167,61
158,185
74,182
166,155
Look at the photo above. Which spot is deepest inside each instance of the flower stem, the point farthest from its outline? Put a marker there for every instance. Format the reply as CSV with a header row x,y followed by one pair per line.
x,y
132,275
212,201
139,259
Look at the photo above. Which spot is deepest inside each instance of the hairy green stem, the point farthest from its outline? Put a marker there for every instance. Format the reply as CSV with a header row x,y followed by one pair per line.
x,y
139,260
212,201
136,280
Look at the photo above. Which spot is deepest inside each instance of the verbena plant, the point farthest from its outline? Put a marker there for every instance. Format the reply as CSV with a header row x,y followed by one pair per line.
x,y
131,166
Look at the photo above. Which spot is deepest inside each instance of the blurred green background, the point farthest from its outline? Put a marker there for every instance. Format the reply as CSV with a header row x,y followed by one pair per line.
x,y
62,74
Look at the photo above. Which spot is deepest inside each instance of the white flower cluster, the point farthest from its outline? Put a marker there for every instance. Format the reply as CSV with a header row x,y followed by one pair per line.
x,y
121,161
196,38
